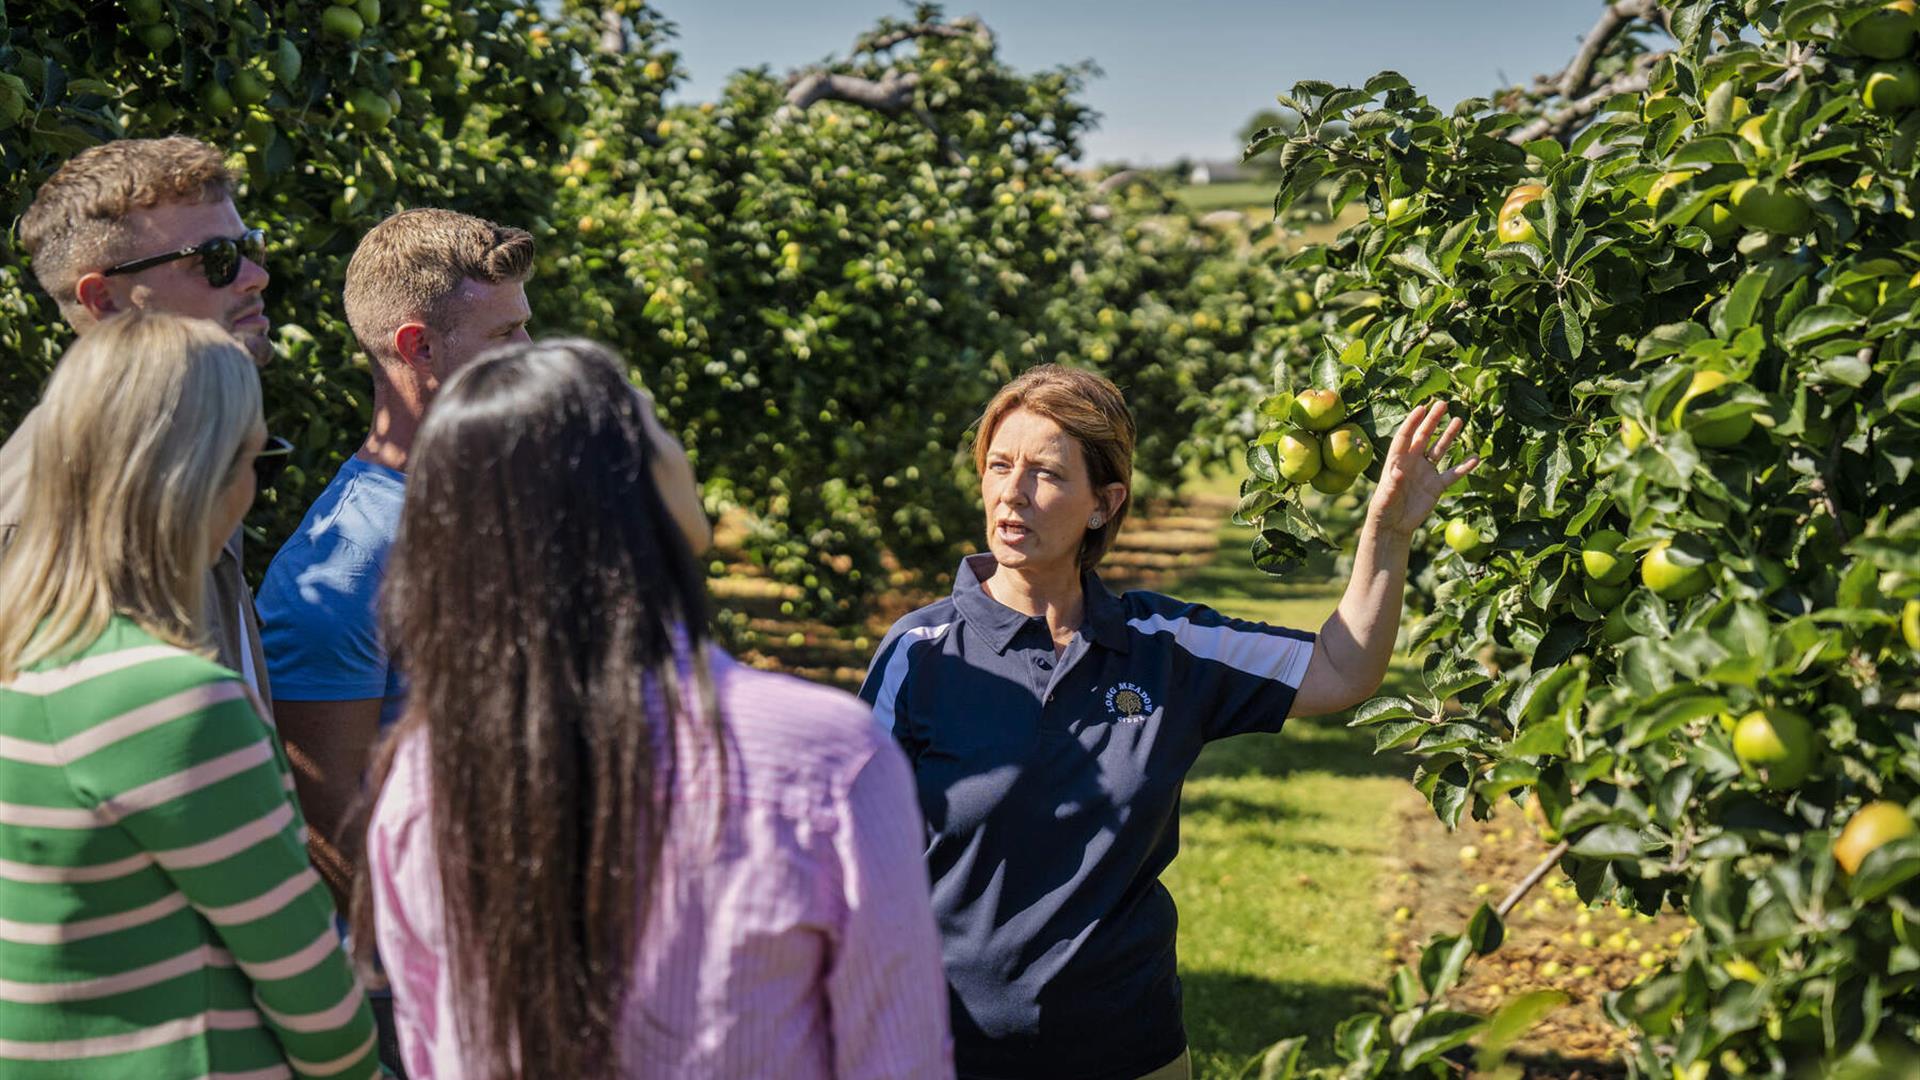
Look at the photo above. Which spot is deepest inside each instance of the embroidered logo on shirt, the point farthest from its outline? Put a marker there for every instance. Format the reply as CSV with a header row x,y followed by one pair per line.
x,y
1129,702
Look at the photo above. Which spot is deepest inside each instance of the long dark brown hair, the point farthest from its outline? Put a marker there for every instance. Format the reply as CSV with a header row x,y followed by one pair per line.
x,y
536,598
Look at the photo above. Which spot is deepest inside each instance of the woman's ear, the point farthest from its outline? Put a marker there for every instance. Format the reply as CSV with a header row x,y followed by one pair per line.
x,y
1112,498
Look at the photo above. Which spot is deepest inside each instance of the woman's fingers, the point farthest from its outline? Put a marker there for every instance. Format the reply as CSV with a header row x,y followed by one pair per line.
x,y
1403,439
1459,472
1439,451
1428,422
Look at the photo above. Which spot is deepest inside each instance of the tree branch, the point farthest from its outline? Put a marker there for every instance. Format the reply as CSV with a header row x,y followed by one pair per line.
x,y
959,28
890,94
1571,82
613,32
1561,121
1526,884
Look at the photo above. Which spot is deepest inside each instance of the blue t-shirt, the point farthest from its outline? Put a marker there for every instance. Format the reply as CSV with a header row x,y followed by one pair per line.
x,y
318,620
1051,791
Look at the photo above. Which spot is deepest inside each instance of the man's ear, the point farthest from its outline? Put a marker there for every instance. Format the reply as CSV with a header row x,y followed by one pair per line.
x,y
95,295
410,344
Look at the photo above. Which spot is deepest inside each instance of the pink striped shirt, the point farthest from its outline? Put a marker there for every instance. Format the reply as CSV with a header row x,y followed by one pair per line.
x,y
801,943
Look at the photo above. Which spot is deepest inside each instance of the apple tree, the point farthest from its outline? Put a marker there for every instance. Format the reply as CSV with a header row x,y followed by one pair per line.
x,y
1673,289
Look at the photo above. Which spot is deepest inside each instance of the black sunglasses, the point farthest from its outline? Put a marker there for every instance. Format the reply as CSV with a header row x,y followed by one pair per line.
x,y
219,257
271,461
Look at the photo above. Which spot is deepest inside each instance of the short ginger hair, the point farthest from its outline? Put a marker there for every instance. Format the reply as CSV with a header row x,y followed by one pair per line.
x,y
1093,412
409,266
78,221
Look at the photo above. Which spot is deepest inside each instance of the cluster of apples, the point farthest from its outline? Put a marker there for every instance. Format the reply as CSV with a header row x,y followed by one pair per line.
x,y
1887,34
1324,450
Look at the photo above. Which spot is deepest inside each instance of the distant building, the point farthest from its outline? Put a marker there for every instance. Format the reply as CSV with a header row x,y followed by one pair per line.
x,y
1217,172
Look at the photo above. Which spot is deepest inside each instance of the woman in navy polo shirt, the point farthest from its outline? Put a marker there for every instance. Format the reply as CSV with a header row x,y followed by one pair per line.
x,y
1050,725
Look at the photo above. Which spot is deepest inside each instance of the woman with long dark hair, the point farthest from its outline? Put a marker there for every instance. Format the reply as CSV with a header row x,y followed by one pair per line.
x,y
600,847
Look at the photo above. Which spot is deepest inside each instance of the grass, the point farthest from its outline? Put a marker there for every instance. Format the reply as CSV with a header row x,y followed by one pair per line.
x,y
1282,846
1231,195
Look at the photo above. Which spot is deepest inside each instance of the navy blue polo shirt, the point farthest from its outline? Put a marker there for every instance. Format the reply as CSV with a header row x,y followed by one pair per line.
x,y
1051,792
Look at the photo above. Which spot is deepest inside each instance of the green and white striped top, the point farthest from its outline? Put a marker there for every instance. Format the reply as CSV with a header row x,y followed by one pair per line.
x,y
159,917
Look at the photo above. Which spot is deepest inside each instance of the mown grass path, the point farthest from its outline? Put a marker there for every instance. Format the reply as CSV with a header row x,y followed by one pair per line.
x,y
1283,845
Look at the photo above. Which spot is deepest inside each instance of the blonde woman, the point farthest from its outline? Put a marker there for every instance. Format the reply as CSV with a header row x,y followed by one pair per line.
x,y
158,913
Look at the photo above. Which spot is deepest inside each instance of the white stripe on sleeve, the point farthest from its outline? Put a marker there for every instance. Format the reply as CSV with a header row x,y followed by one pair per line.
x,y
1266,656
896,673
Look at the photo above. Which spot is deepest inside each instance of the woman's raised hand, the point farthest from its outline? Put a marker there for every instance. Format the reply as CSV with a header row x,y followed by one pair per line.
x,y
1411,480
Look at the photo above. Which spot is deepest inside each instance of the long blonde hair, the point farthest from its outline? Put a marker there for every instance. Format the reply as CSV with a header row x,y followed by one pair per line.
x,y
139,431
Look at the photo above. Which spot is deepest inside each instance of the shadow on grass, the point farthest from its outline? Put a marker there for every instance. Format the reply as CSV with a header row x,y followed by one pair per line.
x,y
1231,1017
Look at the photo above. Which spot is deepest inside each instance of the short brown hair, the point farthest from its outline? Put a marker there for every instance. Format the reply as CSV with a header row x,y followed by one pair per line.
x,y
77,223
1091,410
409,266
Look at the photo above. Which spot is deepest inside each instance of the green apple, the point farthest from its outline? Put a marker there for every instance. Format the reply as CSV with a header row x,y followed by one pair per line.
x,y
1892,88
1665,182
342,22
1606,597
369,110
1669,578
1762,206
1330,481
1319,410
1885,34
1871,827
248,88
1514,228
1726,431
1776,744
1910,624
1399,208
1750,131
1600,557
1462,537
1616,630
1347,449
1299,457
1632,435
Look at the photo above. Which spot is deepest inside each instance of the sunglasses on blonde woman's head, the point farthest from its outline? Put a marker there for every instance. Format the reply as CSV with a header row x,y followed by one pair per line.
x,y
219,257
271,461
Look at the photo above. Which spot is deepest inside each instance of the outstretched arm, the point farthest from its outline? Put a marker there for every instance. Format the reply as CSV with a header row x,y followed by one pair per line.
x,y
1356,643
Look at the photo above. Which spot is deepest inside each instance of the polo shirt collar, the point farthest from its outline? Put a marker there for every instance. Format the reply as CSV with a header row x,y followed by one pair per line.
x,y
998,624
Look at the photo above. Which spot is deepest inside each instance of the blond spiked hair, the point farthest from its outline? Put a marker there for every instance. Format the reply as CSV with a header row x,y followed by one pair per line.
x,y
140,429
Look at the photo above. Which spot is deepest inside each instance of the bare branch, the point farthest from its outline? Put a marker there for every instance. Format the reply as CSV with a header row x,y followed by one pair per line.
x,y
959,28
613,32
1124,178
1526,884
1561,121
1572,81
890,94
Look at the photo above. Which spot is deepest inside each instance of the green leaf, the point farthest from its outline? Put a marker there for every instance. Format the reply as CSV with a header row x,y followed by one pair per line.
x,y
1609,842
1282,1059
1381,709
1886,868
1817,322
1646,725
1357,1036
1517,1017
1437,1033
1744,300
1485,930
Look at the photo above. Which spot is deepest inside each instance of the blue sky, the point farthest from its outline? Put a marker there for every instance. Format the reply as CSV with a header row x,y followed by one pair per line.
x,y
1181,76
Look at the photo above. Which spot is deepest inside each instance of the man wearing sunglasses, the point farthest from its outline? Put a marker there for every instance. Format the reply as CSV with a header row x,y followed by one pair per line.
x,y
150,223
